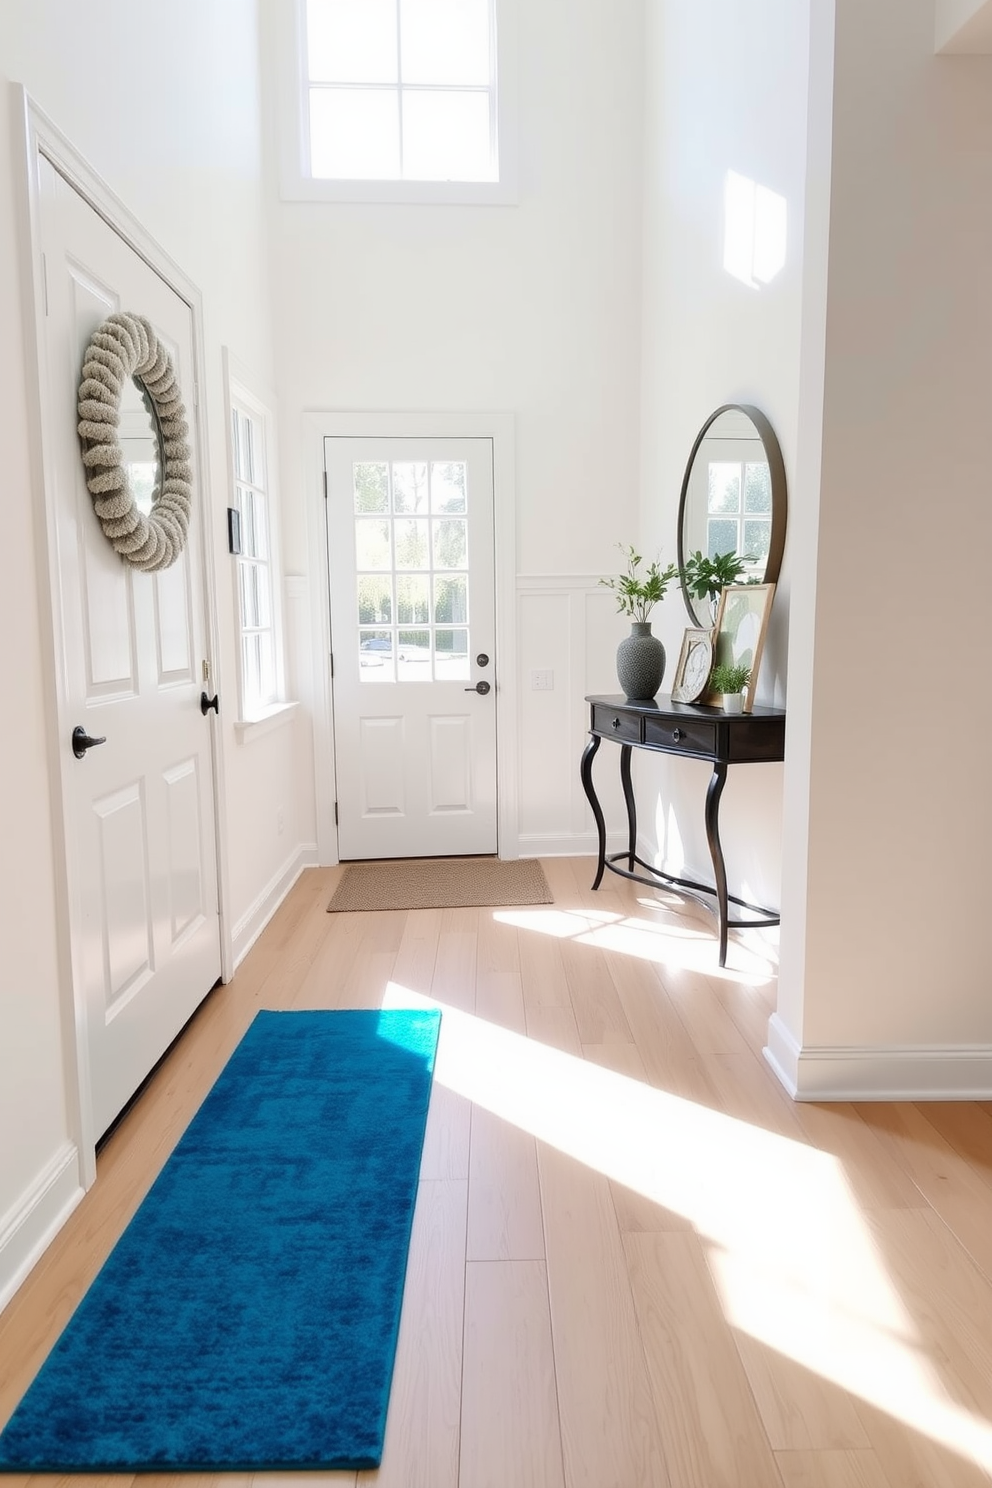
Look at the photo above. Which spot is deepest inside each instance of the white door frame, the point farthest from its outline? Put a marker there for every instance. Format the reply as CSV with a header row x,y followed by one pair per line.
x,y
498,427
41,138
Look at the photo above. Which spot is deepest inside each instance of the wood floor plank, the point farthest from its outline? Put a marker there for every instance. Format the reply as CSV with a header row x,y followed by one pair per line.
x,y
599,1015
749,1091
423,1424
707,1022
510,1432
635,1212
876,1181
500,999
860,1469
671,1060
945,1178
498,943
304,1480
504,1196
416,954
610,1434
542,973
711,1431
967,1128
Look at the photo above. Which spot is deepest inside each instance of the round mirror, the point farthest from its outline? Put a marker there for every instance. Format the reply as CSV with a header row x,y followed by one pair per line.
x,y
733,502
139,438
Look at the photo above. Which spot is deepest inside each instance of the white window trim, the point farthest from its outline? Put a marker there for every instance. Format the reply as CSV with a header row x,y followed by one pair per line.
x,y
241,389
293,125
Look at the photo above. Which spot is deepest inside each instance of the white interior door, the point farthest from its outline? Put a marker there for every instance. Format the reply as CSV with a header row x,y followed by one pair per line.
x,y
411,569
140,807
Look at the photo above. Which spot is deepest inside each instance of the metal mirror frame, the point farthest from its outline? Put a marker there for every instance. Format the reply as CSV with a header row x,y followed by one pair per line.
x,y
776,472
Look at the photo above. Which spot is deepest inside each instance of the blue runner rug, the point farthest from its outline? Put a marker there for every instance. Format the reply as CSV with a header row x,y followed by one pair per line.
x,y
247,1318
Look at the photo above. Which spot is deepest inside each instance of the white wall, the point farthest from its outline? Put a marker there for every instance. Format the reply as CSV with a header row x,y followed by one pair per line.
x,y
168,114
894,962
531,309
727,92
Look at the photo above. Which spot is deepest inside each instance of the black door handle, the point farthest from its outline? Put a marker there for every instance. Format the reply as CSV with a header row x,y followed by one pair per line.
x,y
81,741
480,687
206,703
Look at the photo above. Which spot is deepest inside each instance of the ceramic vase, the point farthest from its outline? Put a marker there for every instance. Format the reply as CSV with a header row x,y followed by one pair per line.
x,y
733,702
640,662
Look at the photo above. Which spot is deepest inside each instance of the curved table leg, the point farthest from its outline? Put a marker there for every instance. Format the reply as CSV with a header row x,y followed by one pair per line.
x,y
588,755
713,793
628,795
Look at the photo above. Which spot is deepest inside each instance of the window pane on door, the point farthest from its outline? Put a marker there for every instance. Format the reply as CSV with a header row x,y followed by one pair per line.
x,y
413,600
413,655
371,486
375,656
451,600
409,486
448,486
375,599
450,543
411,543
372,544
451,659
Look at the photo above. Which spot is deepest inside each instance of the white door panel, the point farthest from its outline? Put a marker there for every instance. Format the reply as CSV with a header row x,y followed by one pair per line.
x,y
140,808
411,570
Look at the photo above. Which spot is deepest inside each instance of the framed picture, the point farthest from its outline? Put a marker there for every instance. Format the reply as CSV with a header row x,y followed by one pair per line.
x,y
739,638
693,670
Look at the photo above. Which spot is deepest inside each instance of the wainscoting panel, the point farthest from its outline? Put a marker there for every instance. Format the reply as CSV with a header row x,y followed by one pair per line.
x,y
567,634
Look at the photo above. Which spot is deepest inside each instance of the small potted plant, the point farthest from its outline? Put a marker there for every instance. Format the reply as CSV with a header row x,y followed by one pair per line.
x,y
707,578
641,657
731,682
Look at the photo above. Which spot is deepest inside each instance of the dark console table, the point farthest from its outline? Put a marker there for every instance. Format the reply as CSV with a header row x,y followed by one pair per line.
x,y
700,733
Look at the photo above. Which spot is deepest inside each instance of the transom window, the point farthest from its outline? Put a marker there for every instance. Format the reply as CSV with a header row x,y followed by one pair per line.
x,y
411,561
401,90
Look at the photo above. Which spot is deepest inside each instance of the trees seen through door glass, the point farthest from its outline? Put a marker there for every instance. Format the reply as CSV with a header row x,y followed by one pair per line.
x,y
411,561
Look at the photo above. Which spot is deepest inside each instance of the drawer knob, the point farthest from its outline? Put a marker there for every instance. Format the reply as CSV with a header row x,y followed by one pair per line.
x,y
616,723
677,734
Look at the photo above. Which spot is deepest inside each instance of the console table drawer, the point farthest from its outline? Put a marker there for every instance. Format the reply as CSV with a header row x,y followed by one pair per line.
x,y
617,725
693,736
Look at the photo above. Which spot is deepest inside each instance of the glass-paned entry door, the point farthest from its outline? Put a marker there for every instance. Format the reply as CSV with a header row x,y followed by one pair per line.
x,y
412,594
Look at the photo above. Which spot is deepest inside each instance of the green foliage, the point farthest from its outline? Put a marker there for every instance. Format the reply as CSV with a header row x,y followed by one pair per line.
x,y
725,679
706,578
638,596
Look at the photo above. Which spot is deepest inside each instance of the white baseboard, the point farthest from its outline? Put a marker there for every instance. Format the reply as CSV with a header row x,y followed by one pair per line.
x,y
881,1072
30,1226
250,926
567,844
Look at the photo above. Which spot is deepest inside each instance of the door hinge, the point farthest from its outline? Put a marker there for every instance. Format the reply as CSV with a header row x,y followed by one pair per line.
x,y
335,813
325,485
332,664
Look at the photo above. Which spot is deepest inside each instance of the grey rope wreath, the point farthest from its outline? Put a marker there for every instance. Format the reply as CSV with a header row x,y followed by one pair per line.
x,y
126,346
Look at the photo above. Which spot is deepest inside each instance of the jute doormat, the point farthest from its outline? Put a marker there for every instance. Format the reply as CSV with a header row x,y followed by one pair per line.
x,y
441,883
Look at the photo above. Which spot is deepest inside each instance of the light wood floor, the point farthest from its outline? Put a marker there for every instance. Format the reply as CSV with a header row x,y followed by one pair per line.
x,y
634,1261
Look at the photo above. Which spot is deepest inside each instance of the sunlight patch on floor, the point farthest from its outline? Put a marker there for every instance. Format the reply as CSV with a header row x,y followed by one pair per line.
x,y
795,1263
688,947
